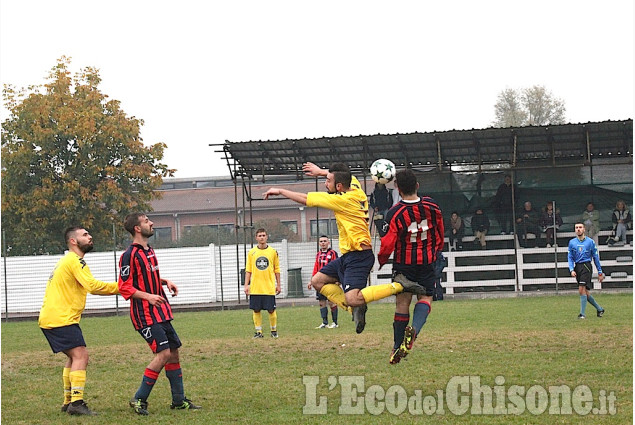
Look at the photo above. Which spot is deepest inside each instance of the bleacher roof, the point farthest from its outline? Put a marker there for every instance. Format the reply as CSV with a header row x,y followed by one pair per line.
x,y
515,147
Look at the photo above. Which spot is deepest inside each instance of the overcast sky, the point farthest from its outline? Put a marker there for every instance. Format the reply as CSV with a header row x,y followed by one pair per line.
x,y
204,72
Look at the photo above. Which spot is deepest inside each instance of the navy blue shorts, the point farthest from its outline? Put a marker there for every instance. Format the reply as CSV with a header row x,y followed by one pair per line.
x,y
64,338
351,269
262,302
320,297
424,275
160,336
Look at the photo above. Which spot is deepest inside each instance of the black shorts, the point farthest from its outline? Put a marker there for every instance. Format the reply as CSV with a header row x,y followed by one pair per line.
x,y
262,302
64,338
160,336
583,274
320,297
424,275
351,269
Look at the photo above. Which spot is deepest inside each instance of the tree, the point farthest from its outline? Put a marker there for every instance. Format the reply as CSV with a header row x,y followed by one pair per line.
x,y
71,156
276,230
530,106
205,235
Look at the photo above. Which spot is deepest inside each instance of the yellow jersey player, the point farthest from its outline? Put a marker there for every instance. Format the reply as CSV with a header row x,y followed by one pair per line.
x,y
262,283
64,302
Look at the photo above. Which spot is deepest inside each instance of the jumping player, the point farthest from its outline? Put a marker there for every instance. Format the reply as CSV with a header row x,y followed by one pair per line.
x,y
349,203
414,231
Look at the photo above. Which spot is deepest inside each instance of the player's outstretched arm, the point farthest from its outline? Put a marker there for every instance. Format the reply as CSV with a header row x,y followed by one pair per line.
x,y
298,197
312,170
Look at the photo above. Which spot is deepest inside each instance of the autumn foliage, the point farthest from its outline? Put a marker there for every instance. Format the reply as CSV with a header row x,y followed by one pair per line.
x,y
70,155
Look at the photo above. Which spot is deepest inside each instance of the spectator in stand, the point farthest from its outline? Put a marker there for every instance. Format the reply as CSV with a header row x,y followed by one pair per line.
x,y
380,201
527,222
550,221
456,231
622,222
503,204
591,220
480,227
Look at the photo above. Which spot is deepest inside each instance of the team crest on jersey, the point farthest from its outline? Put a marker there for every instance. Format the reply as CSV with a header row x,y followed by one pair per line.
x,y
262,263
125,271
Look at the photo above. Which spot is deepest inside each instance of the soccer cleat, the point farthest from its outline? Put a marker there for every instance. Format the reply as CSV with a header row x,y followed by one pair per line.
x,y
79,407
186,405
333,325
600,313
581,316
395,356
258,335
65,407
139,406
274,334
409,285
322,326
359,317
410,334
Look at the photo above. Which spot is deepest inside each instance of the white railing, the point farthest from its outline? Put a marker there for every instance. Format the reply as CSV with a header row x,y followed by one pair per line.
x,y
198,272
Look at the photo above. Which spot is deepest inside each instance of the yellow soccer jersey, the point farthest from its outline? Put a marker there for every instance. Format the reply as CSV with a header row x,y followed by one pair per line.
x,y
65,295
263,264
351,215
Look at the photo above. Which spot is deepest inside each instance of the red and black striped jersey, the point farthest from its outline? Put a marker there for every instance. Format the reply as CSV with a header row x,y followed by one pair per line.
x,y
139,271
323,258
414,231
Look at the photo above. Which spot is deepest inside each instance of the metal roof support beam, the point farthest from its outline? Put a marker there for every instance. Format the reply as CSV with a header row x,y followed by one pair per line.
x,y
298,167
552,147
404,151
628,140
439,158
588,145
515,148
477,148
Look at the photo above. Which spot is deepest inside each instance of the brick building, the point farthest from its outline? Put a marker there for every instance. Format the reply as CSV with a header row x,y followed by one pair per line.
x,y
211,201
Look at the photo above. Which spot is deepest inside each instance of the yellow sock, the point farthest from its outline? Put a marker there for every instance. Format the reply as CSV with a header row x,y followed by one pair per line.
x,y
257,320
67,385
78,380
335,294
377,292
273,320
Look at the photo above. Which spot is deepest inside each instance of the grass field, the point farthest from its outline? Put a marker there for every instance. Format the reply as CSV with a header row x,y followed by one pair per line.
x,y
534,342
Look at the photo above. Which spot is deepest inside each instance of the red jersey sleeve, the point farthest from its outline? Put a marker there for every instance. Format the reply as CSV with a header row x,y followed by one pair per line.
x,y
126,288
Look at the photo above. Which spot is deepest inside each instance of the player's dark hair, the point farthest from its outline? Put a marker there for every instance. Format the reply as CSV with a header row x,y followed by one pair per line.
x,y
68,233
131,221
323,236
341,173
261,230
406,181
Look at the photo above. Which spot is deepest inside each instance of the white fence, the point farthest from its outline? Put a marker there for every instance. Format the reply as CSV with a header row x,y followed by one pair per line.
x,y
201,279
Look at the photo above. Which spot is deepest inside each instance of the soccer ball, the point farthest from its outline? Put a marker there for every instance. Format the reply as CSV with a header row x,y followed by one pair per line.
x,y
383,171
